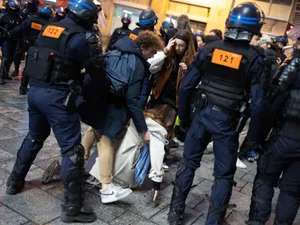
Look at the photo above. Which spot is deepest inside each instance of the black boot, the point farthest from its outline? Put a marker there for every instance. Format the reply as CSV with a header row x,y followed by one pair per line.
x,y
175,217
219,200
16,182
73,209
2,74
184,175
5,69
23,90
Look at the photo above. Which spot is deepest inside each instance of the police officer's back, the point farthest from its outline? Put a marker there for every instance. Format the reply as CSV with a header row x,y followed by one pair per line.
x,y
280,162
54,65
228,71
120,32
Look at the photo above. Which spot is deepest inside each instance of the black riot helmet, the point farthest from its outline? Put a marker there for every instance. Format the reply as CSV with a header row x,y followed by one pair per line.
x,y
147,19
244,21
84,11
13,5
46,11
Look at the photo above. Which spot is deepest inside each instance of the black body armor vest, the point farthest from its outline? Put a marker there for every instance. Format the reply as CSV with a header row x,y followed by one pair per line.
x,y
225,70
47,61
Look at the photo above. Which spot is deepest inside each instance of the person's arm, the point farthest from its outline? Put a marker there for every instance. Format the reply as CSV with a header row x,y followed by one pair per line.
x,y
257,105
132,98
188,85
18,31
85,50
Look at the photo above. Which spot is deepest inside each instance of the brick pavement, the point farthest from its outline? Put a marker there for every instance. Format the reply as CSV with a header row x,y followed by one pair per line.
x,y
40,204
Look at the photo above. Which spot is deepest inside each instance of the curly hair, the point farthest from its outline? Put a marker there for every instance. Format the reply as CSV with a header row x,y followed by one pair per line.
x,y
149,39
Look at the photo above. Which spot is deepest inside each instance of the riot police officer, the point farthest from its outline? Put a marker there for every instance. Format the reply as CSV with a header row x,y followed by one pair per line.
x,y
147,21
281,153
59,15
10,20
228,72
30,29
121,31
54,64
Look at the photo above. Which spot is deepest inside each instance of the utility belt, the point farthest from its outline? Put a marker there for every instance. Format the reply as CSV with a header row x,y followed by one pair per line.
x,y
74,98
201,102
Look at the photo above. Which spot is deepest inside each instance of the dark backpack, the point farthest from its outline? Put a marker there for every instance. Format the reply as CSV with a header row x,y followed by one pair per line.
x,y
118,66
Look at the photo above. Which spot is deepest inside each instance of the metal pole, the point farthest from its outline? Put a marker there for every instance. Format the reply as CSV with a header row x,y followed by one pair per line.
x,y
150,2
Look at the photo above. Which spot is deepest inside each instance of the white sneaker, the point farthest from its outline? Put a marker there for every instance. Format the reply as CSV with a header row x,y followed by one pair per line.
x,y
178,142
114,193
240,164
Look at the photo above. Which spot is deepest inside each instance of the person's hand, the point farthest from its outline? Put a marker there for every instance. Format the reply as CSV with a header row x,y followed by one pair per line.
x,y
146,137
169,46
183,67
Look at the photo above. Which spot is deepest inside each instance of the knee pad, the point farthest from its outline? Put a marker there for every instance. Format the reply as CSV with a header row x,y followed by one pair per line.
x,y
185,166
75,173
76,155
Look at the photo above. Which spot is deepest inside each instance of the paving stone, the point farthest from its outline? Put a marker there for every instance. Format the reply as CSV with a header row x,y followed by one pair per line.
x,y
239,174
248,178
59,222
19,115
12,145
43,164
190,216
8,165
3,176
14,100
239,184
251,168
247,189
9,217
208,157
5,156
140,202
205,173
203,206
201,220
57,191
8,109
6,133
237,218
198,194
242,202
35,204
105,212
130,218
47,152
